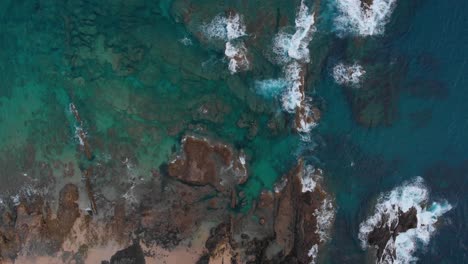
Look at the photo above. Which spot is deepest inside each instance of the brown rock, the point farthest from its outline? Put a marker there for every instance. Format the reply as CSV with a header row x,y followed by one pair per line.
x,y
285,217
204,164
295,224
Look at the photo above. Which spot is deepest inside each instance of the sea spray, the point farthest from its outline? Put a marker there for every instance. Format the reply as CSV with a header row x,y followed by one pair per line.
x,y
311,181
230,29
289,47
357,18
270,88
413,194
292,52
348,74
292,97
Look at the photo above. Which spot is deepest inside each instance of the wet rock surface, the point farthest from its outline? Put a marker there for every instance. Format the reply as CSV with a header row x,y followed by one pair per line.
x,y
380,236
96,198
280,228
285,229
204,164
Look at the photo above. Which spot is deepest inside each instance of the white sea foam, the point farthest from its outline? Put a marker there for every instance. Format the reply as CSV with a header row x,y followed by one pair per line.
x,y
235,27
15,199
186,41
242,159
348,74
304,125
413,194
313,252
25,192
288,46
307,179
237,55
292,52
225,28
230,29
325,216
292,97
279,186
357,18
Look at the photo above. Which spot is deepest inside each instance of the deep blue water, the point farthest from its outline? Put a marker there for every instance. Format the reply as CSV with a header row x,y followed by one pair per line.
x,y
429,137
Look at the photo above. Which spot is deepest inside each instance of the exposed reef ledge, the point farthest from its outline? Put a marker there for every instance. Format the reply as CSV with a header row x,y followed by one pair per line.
x,y
203,163
287,226
184,214
402,221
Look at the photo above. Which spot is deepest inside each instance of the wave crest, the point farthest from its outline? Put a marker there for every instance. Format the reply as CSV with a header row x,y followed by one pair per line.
x,y
401,246
229,29
348,74
225,28
288,46
357,18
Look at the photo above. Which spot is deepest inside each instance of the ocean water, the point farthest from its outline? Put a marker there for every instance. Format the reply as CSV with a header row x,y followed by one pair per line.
x,y
142,74
426,139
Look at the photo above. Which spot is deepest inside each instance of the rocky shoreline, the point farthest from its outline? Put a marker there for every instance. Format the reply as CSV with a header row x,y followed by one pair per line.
x,y
195,197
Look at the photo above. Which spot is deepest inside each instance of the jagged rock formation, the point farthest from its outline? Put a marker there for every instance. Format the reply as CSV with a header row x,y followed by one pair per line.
x,y
205,164
285,231
184,213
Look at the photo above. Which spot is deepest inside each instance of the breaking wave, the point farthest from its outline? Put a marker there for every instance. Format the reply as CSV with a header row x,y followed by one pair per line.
x,y
308,179
225,28
237,55
358,18
288,46
311,180
292,96
348,74
229,29
413,194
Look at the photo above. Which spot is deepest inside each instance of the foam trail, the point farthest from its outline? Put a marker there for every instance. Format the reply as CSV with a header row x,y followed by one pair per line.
x,y
271,87
307,179
230,29
313,252
237,55
225,28
415,195
292,97
348,74
292,52
311,179
290,47
357,18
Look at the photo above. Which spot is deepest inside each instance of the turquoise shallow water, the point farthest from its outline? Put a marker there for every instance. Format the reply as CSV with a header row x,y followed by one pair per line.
x,y
139,89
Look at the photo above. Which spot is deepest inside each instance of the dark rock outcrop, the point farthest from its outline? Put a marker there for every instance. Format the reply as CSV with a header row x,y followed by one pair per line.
x,y
380,236
131,255
202,163
282,229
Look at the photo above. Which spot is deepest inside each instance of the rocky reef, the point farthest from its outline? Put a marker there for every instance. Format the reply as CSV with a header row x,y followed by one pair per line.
x,y
188,211
284,227
403,218
380,236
